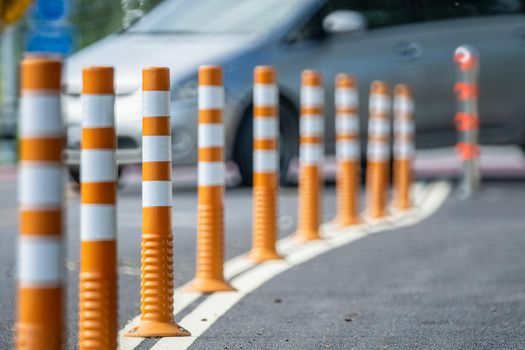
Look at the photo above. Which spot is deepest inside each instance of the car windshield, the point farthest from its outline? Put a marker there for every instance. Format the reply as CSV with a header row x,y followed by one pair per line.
x,y
217,16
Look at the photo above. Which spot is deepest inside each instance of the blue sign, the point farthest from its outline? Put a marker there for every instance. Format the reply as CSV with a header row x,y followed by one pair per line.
x,y
49,28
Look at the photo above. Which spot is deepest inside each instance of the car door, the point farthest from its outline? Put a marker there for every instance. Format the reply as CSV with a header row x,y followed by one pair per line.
x,y
496,28
385,51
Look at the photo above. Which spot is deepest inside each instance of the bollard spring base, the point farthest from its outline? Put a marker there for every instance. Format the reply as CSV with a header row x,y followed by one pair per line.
x,y
158,329
209,285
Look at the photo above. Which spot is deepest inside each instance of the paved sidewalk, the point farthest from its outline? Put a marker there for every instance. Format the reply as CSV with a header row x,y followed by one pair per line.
x,y
454,281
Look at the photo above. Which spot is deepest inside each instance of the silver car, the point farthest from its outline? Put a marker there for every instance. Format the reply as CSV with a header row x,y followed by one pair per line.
x,y
410,41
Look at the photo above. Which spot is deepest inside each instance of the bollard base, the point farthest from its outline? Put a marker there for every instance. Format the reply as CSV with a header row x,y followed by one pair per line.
x,y
157,329
209,285
307,236
260,256
346,222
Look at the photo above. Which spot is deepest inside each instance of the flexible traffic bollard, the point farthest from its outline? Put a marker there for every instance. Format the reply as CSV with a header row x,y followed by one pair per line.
x,y
378,150
156,287
467,119
403,146
311,156
209,276
348,152
98,324
265,164
41,188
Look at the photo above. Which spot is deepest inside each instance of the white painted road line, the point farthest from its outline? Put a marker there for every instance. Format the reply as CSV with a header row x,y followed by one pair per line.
x,y
248,277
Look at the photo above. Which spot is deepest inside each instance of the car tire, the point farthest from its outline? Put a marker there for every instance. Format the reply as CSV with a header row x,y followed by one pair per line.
x,y
288,144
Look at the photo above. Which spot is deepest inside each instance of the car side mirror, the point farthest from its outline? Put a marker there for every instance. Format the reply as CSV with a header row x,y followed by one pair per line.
x,y
343,21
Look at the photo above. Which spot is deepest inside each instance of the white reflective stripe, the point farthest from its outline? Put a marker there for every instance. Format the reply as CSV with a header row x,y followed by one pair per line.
x,y
378,127
98,222
265,161
211,173
378,151
98,111
403,127
211,97
156,148
211,135
40,184
346,98
155,103
40,260
97,165
265,128
156,193
312,125
379,103
346,124
347,150
311,153
403,105
40,116
265,95
404,150
312,96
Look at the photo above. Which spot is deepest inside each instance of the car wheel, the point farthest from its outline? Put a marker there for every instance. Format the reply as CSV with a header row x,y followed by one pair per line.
x,y
288,144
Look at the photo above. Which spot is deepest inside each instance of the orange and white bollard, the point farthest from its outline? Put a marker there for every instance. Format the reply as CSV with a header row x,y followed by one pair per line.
x,y
265,164
98,324
403,146
156,287
467,118
378,151
311,154
348,152
41,187
209,275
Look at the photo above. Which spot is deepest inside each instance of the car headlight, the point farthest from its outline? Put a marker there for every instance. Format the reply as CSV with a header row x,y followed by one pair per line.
x,y
185,91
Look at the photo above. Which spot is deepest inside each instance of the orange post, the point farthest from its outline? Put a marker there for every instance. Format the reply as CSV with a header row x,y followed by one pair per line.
x,y
156,287
378,151
403,146
209,276
347,150
98,324
265,164
311,156
41,186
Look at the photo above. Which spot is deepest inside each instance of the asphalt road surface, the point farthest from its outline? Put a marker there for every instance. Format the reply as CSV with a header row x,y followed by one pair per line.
x,y
453,281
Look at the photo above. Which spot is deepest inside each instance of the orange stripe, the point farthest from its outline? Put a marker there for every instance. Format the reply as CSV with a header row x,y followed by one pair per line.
x,y
40,74
99,257
40,222
41,149
311,139
156,220
311,78
98,193
379,87
210,116
210,75
264,75
378,138
402,90
262,112
305,111
40,318
98,138
156,171
211,195
264,179
156,126
156,79
341,137
97,80
211,154
341,110
261,144
344,81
